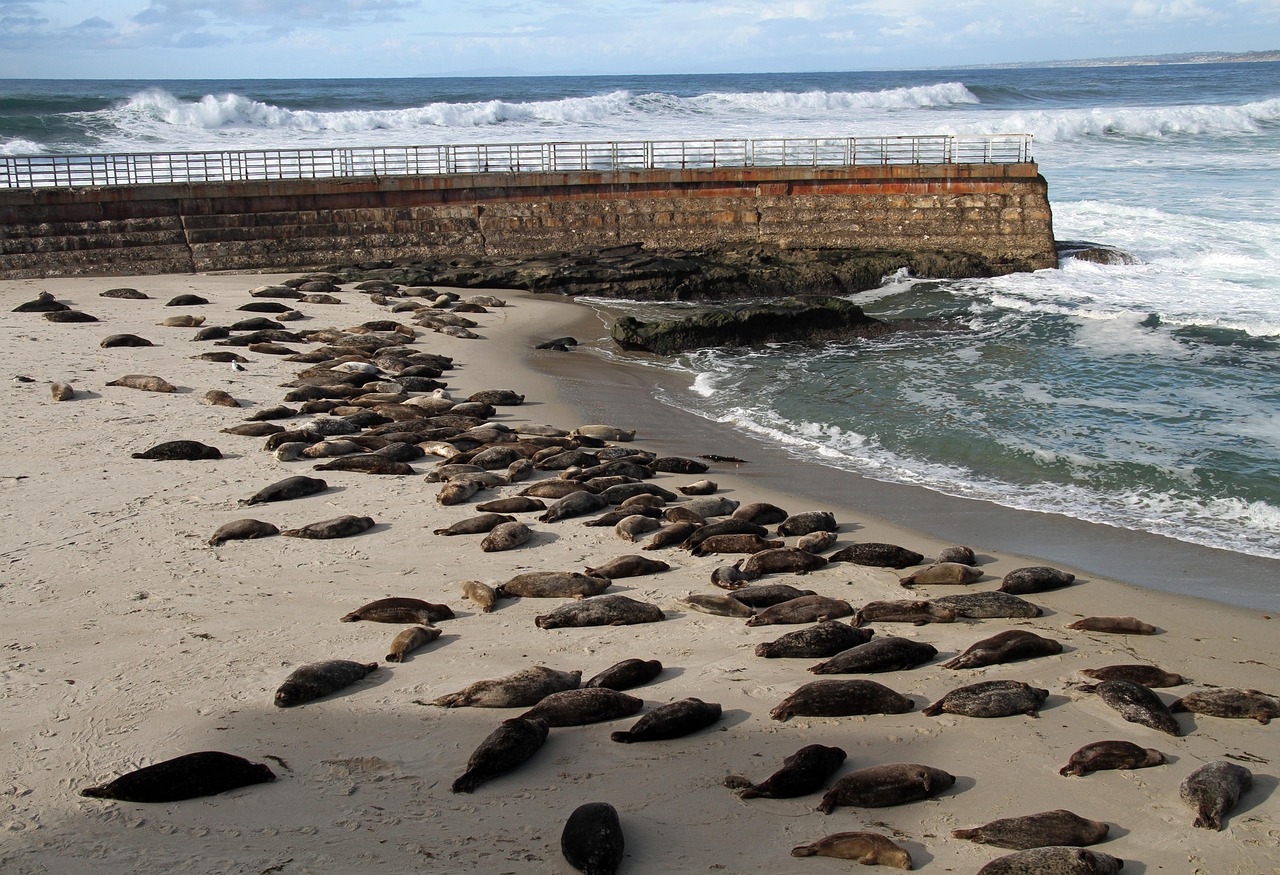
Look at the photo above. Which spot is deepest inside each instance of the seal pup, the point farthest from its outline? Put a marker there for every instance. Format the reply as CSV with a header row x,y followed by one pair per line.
x,y
399,609
316,679
61,391
508,746
238,530
805,771
457,491
553,585
183,321
1057,860
946,573
1136,704
628,566
1008,646
219,398
583,706
506,536
717,605
631,528
1046,829
877,555
878,655
990,699
205,773
475,525
1104,755
626,674
1147,675
988,605
867,848
410,640
673,720
816,542
918,613
1232,703
700,487
286,489
480,594
144,382
958,553
805,609
815,642
1213,790
592,840
1035,578
522,689
841,698
885,785
187,451
601,610
339,527
1115,625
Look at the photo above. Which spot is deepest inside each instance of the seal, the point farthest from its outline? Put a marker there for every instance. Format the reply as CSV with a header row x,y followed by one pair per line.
x,y
918,613
601,610
991,699
717,605
712,506
631,528
878,655
628,566
768,594
553,585
810,521
1104,755
605,433
805,771
187,301
760,512
627,674
1007,646
1231,703
523,689
205,773
369,463
410,640
877,555
1035,578
238,530
506,536
186,451
497,397
673,720
578,503
144,382
734,544
988,605
1147,675
457,491
672,535
287,489
951,573
476,525
841,699
867,848
613,517
782,559
679,465
60,391
183,321
805,609
816,542
1116,625
958,553
1058,861
885,785
513,743
729,577
592,840
1213,790
1137,704
339,527
116,340
583,706
815,642
700,487
69,316
724,527
254,429
219,398
399,610
316,679
125,294
480,594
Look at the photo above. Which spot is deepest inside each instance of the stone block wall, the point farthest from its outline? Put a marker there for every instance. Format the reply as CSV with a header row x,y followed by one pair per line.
x,y
998,211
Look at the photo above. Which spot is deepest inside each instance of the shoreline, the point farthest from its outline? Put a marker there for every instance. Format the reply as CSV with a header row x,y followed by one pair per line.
x,y
131,641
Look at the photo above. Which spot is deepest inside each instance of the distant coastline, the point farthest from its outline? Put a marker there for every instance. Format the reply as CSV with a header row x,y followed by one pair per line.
x,y
1270,55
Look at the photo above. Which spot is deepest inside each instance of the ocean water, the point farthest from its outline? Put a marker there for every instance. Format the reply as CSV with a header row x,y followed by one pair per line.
x,y
1144,396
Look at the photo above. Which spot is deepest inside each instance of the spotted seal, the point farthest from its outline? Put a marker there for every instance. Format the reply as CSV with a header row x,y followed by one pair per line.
x,y
1147,675
553,585
1136,704
878,655
1035,578
867,848
990,699
628,566
878,555
187,451
1008,646
988,605
316,679
343,526
1054,861
761,513
782,559
1115,625
885,785
814,642
1105,755
287,489
399,609
673,720
733,544
583,706
1231,703
514,742
145,382
918,613
506,536
766,595
841,698
522,689
1213,790
204,773
601,610
626,674
805,609
475,525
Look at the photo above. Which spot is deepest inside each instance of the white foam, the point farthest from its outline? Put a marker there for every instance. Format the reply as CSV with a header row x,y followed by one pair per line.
x,y
19,146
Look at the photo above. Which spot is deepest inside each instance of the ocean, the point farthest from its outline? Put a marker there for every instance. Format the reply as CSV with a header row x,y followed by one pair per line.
x,y
1144,396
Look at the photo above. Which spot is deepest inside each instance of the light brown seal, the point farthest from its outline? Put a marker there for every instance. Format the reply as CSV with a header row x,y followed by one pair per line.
x,y
60,391
1116,625
1147,675
480,594
867,848
583,706
410,640
145,382
805,609
717,605
628,566
949,573
506,536
553,585
522,689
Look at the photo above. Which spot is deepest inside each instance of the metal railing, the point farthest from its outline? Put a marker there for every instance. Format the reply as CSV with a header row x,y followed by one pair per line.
x,y
68,171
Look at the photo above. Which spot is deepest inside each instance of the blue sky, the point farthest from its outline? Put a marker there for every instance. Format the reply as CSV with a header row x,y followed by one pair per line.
x,y
176,39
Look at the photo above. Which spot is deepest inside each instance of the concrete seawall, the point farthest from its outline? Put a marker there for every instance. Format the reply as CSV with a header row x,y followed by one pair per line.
x,y
997,211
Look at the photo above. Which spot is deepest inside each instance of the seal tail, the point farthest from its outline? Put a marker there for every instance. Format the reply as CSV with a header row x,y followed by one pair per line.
x,y
933,710
622,737
1070,771
973,835
352,617
466,783
96,792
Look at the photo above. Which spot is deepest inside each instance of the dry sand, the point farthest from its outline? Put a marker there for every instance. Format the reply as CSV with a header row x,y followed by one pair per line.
x,y
127,640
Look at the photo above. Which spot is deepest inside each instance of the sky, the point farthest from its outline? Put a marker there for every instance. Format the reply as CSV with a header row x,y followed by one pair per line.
x,y
231,39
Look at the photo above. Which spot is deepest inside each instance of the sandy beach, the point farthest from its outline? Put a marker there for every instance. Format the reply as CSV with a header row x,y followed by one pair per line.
x,y
128,640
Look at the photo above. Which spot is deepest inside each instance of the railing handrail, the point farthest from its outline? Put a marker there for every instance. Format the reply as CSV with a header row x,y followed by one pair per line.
x,y
138,168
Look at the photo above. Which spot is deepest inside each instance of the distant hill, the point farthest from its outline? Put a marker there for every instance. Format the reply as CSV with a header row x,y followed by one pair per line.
x,y
1146,60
